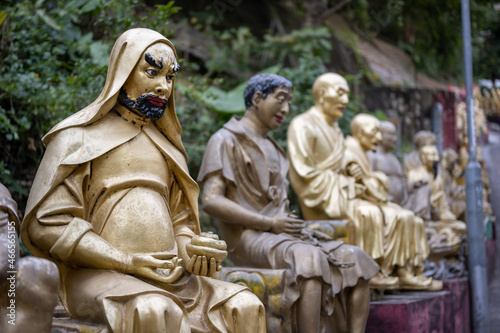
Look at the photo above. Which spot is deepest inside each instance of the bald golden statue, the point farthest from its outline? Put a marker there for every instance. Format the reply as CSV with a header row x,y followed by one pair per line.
x,y
328,187
114,206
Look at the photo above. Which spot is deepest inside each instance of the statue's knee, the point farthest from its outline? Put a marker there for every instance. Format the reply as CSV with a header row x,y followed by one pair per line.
x,y
39,276
157,305
243,302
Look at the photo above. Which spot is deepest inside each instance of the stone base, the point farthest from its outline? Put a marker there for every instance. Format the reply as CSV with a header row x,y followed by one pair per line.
x,y
423,311
62,323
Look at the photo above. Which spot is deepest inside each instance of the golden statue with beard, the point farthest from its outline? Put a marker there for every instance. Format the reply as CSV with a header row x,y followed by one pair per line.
x,y
113,205
326,190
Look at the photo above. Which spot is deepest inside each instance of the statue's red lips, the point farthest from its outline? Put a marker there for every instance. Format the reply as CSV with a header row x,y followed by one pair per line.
x,y
157,101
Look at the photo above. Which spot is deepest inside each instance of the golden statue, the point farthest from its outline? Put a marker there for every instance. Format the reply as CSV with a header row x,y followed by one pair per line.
x,y
245,188
384,161
455,194
28,285
326,190
114,207
425,189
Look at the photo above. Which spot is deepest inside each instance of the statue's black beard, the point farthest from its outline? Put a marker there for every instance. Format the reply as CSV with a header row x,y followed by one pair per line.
x,y
142,105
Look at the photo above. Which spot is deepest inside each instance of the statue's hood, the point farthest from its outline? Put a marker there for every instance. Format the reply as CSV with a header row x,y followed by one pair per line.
x,y
125,54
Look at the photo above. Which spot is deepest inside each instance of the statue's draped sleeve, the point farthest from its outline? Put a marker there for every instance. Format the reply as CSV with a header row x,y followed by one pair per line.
x,y
220,160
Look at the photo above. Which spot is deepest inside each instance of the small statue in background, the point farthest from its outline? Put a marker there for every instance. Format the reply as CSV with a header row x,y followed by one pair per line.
x,y
427,198
317,174
114,206
385,161
245,187
28,285
455,194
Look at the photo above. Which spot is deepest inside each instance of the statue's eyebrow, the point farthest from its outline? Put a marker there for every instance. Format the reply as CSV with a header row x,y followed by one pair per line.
x,y
150,60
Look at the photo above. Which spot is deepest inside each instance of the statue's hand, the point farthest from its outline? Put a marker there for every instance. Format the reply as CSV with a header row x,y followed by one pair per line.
x,y
156,269
354,171
287,223
199,265
206,252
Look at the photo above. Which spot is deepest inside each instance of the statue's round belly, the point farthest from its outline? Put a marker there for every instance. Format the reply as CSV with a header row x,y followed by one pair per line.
x,y
140,223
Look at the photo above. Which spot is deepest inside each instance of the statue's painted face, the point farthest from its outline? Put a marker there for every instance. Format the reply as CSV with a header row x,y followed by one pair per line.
x,y
149,86
429,155
334,99
389,137
370,135
274,108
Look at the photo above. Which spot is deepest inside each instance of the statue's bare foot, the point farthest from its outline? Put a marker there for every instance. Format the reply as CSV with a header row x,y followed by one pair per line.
x,y
414,282
380,281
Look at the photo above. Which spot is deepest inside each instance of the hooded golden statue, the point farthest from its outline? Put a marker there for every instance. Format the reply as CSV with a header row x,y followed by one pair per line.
x,y
114,206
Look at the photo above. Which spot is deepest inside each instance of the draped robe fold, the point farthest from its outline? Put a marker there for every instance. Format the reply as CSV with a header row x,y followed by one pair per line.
x,y
316,150
413,247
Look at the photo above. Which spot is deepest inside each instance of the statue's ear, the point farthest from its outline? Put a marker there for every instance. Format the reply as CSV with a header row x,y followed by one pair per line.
x,y
256,98
321,95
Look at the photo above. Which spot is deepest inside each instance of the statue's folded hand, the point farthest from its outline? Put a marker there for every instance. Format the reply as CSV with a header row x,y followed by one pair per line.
x,y
354,170
287,223
156,269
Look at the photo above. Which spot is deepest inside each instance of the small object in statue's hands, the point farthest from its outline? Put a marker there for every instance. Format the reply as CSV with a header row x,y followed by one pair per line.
x,y
208,245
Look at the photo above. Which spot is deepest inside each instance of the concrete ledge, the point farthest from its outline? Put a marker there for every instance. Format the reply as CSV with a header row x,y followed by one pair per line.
x,y
422,311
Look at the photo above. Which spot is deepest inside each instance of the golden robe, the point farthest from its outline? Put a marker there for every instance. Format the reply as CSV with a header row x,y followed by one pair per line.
x,y
256,180
125,179
413,246
316,150
441,215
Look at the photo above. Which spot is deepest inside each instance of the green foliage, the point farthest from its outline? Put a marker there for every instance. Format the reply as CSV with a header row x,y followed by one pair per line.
x,y
53,61
54,57
429,31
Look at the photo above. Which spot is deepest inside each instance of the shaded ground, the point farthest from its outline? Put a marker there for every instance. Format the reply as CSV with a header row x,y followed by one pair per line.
x,y
491,154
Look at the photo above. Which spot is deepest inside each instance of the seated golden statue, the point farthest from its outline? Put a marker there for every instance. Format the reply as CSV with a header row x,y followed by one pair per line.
x,y
384,161
28,285
114,207
455,194
245,187
425,189
326,190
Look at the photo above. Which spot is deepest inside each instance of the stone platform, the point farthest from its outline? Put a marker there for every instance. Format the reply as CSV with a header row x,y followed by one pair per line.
x,y
423,312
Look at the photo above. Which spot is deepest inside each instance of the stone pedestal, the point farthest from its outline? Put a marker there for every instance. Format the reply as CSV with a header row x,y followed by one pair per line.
x,y
422,311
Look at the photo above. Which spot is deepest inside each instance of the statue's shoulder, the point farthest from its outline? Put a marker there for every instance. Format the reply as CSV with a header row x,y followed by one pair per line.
x,y
302,119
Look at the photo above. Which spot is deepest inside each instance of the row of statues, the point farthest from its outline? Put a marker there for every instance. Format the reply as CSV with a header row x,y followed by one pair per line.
x,y
114,207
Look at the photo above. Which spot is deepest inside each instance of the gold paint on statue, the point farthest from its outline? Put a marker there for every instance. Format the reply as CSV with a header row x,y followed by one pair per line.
x,y
245,187
455,194
114,206
320,175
